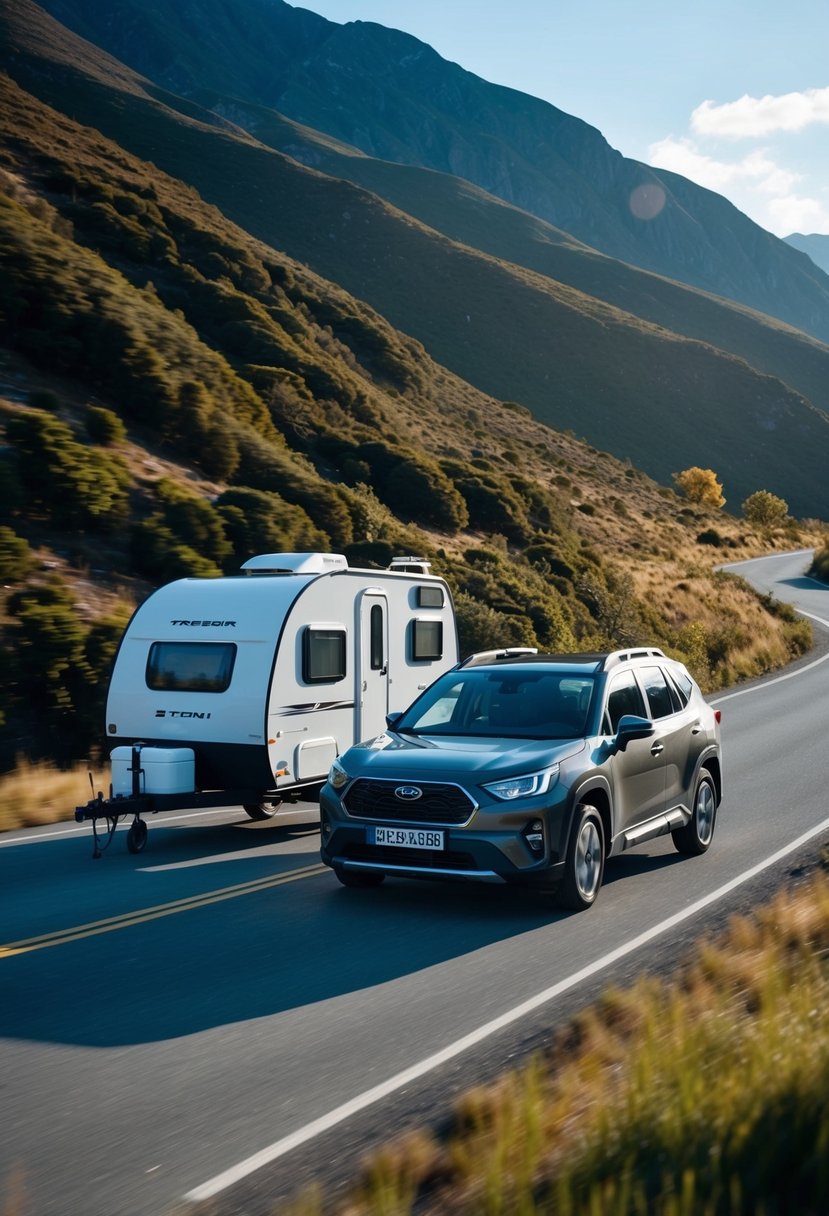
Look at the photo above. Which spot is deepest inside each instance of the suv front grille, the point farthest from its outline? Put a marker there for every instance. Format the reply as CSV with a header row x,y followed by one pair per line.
x,y
438,803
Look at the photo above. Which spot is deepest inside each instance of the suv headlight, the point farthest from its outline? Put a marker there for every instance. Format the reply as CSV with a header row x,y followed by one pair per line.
x,y
337,776
525,786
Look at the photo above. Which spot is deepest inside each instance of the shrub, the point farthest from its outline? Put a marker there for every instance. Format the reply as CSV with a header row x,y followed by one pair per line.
x,y
710,537
482,627
16,558
264,466
160,556
493,506
260,521
820,565
184,536
104,426
765,509
75,486
48,676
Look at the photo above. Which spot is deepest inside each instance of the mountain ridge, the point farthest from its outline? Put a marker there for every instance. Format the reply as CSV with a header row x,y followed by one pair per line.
x,y
394,97
577,361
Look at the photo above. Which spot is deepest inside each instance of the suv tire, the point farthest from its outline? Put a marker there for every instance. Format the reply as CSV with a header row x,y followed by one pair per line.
x,y
584,863
695,838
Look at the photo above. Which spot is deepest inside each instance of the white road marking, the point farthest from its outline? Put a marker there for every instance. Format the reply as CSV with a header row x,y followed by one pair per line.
x,y
370,1096
36,836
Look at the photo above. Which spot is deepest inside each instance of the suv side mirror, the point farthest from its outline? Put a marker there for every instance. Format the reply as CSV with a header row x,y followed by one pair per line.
x,y
631,726
393,719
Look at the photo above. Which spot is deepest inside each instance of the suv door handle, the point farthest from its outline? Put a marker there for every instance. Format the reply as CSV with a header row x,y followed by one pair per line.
x,y
696,728
657,749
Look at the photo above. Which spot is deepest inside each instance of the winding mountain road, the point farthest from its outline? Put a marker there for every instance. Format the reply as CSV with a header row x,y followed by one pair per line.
x,y
217,1019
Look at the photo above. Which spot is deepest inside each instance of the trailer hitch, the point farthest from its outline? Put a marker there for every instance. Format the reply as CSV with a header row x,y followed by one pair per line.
x,y
116,808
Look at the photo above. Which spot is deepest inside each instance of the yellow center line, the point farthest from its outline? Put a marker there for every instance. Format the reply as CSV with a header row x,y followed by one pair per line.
x,y
61,937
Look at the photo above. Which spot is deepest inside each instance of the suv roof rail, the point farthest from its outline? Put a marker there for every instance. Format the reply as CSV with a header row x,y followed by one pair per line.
x,y
493,656
638,652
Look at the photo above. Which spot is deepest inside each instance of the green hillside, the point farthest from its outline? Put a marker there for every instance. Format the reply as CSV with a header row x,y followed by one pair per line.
x,y
395,98
470,216
629,385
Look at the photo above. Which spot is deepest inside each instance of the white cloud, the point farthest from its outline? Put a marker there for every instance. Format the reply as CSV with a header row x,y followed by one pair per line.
x,y
754,182
755,117
756,167
794,214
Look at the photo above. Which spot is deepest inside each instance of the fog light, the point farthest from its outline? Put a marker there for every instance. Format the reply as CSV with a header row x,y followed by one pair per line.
x,y
534,835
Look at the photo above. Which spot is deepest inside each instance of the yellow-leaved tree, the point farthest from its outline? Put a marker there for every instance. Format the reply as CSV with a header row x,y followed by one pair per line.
x,y
700,485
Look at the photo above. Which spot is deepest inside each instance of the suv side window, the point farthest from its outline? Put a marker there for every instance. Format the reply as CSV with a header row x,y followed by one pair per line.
x,y
658,692
624,698
682,682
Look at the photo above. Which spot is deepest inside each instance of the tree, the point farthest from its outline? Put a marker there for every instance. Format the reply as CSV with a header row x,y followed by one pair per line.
x,y
765,508
701,486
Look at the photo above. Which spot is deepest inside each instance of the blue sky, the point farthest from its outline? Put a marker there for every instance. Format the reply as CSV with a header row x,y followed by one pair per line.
x,y
731,93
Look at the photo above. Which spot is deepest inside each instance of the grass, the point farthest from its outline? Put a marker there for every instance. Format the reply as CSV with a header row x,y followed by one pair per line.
x,y
40,793
703,1095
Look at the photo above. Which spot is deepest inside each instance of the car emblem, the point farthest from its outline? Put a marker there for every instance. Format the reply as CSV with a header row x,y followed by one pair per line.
x,y
408,793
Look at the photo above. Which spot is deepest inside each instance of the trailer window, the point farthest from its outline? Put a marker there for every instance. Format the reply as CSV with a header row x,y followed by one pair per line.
x,y
323,655
190,666
427,640
430,597
376,630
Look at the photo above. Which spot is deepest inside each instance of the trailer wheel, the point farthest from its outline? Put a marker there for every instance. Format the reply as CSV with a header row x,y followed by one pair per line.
x,y
137,836
263,810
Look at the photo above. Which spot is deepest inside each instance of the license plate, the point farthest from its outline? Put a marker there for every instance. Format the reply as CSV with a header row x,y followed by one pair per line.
x,y
407,838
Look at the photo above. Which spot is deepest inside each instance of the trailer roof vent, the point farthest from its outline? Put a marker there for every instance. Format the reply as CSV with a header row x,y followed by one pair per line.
x,y
410,565
296,563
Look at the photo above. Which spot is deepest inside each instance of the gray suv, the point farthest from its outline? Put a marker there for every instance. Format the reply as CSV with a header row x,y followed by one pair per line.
x,y
530,769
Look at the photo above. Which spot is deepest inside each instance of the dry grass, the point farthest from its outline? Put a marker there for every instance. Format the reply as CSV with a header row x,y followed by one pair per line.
x,y
705,1095
40,793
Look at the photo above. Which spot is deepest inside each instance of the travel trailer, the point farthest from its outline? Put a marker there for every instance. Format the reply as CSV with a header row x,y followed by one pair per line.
x,y
241,690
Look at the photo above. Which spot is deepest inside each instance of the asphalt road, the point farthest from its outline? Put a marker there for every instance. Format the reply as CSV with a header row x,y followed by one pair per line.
x,y
217,1019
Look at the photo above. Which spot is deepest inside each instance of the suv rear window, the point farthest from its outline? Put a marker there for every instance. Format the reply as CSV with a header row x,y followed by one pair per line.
x,y
657,691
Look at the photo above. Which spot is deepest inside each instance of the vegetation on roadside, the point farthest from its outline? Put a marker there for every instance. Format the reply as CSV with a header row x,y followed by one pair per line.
x,y
705,1095
35,794
820,565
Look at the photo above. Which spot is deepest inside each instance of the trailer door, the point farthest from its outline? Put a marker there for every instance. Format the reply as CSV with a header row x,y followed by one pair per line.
x,y
373,666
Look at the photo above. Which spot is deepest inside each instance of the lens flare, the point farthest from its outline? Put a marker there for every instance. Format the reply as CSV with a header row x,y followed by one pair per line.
x,y
646,202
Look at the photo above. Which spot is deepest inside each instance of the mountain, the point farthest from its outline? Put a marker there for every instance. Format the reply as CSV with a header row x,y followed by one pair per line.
x,y
631,385
181,387
815,245
394,98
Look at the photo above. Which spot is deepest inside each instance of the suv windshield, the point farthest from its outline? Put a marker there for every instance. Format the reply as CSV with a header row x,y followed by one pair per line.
x,y
505,704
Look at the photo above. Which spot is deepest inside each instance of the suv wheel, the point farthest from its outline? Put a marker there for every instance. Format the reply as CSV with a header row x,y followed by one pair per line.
x,y
695,838
584,864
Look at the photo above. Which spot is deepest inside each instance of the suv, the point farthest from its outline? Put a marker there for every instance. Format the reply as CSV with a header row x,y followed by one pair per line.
x,y
529,768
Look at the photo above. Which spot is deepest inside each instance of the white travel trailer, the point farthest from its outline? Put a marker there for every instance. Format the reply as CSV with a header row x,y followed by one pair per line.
x,y
243,689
